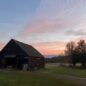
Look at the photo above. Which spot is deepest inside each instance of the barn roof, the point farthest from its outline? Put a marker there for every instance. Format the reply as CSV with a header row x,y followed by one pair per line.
x,y
29,50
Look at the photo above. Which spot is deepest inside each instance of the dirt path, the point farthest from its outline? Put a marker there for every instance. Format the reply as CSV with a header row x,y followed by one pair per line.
x,y
77,80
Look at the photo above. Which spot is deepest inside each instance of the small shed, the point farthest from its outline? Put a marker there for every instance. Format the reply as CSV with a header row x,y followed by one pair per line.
x,y
18,55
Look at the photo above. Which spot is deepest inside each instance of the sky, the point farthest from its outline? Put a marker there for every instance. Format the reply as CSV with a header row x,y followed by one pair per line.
x,y
46,24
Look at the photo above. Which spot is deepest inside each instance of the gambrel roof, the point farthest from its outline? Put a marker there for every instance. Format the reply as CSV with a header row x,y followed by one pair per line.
x,y
28,49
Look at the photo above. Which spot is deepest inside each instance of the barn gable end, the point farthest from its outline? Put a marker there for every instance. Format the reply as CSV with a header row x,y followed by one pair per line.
x,y
16,54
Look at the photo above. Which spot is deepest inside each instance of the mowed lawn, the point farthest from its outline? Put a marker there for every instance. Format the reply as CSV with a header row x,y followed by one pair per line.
x,y
22,78
54,68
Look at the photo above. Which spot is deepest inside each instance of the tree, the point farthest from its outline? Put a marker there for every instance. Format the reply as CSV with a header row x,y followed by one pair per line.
x,y
76,53
81,49
70,48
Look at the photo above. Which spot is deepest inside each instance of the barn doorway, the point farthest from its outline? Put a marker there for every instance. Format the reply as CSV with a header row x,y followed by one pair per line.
x,y
10,62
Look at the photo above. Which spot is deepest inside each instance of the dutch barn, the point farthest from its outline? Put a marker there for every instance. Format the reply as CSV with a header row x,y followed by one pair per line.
x,y
18,55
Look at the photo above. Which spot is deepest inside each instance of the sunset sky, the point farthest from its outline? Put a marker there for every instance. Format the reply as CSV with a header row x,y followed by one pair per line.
x,y
46,24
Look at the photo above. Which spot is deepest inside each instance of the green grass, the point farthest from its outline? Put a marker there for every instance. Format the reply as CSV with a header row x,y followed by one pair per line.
x,y
66,70
47,77
18,78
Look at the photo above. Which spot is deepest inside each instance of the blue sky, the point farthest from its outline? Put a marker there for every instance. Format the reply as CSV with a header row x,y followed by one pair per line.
x,y
46,24
11,11
14,14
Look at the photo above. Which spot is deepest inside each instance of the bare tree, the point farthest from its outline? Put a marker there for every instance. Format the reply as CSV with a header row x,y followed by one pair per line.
x,y
70,47
77,53
81,49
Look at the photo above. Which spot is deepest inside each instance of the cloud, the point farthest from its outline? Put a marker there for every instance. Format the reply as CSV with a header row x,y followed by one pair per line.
x,y
50,48
2,44
43,30
52,19
46,26
78,30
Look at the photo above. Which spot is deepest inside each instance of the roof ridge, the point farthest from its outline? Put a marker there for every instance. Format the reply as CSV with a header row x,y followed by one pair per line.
x,y
20,42
29,49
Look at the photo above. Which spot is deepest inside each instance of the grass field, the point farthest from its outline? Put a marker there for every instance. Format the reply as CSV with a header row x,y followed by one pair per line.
x,y
31,79
39,78
66,70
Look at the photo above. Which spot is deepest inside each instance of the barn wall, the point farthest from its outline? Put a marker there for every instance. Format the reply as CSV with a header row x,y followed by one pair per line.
x,y
12,49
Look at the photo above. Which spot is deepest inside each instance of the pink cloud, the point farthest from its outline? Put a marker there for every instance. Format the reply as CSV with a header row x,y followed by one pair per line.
x,y
47,25
41,27
2,45
50,48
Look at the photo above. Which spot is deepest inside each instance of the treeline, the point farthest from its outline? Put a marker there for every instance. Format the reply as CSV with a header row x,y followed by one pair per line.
x,y
76,53
56,59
